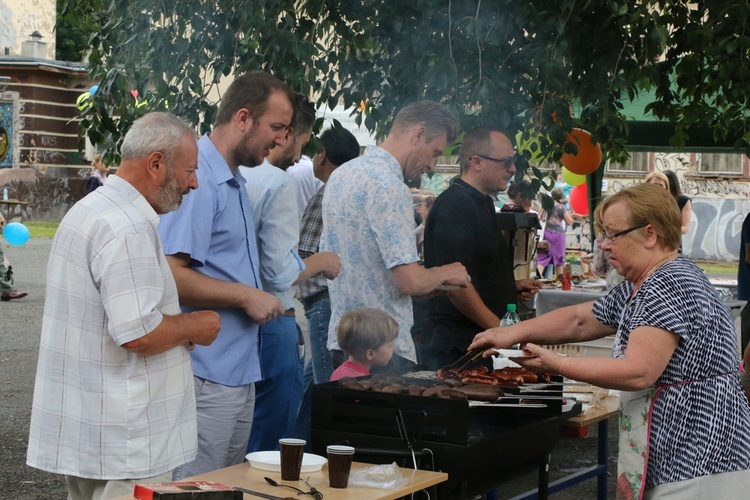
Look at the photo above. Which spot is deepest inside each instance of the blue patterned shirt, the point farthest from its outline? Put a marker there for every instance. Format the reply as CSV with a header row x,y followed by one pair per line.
x,y
368,221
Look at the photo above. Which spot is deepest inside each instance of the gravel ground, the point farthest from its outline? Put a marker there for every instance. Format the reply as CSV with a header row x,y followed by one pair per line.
x,y
20,324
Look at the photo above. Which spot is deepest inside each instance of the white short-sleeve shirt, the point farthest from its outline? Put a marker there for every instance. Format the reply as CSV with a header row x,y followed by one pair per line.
x,y
99,410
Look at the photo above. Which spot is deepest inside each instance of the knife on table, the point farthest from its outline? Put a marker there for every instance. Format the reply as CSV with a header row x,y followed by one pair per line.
x,y
259,494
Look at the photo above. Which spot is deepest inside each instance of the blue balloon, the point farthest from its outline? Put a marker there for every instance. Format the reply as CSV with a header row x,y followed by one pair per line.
x,y
93,89
16,234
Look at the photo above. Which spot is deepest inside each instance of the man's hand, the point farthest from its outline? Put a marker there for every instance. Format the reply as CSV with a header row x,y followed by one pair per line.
x,y
2,221
261,306
208,324
527,289
455,274
331,264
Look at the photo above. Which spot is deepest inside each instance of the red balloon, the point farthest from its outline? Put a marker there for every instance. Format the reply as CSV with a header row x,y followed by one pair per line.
x,y
589,155
579,199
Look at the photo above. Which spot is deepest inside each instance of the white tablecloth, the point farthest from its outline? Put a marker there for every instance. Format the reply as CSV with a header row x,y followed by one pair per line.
x,y
548,300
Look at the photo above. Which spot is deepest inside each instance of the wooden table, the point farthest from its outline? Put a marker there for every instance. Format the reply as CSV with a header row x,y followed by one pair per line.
x,y
11,205
244,476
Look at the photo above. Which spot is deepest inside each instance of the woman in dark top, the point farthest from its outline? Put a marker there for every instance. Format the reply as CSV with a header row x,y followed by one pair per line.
x,y
685,204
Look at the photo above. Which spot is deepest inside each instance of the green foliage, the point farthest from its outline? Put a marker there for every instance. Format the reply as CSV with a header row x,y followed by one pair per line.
x,y
519,65
76,21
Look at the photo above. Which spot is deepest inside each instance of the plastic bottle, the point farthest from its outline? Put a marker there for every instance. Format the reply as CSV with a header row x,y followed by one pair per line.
x,y
510,317
5,194
566,277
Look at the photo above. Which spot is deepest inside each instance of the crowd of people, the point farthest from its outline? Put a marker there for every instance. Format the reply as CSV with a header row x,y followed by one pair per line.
x,y
169,343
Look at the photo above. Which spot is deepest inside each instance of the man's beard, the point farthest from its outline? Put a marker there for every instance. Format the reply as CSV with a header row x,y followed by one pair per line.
x,y
245,156
169,197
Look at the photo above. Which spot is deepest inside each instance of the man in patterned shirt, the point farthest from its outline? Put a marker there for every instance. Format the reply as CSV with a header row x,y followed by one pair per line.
x,y
339,146
114,400
368,221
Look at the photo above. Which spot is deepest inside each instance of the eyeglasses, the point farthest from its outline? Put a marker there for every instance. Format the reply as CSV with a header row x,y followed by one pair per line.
x,y
613,237
508,161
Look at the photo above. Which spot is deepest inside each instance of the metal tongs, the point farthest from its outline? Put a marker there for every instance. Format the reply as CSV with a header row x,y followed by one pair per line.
x,y
462,363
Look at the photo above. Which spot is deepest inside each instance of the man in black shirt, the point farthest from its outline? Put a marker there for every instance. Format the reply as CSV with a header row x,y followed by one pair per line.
x,y
462,227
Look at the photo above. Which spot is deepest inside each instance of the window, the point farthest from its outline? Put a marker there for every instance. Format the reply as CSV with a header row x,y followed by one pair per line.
x,y
720,163
638,162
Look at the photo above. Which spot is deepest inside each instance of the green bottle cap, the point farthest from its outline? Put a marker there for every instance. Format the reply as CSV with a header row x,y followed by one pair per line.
x,y
512,307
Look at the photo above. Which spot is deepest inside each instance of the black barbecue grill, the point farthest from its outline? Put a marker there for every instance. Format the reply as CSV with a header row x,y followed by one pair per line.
x,y
479,447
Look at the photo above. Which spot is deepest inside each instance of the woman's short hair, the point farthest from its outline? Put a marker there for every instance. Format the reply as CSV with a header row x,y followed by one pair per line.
x,y
647,204
557,194
364,329
658,175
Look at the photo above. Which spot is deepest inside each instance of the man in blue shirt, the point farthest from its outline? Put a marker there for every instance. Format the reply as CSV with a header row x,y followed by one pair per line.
x,y
273,199
211,247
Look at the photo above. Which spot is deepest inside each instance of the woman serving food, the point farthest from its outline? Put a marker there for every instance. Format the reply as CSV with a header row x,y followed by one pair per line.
x,y
684,420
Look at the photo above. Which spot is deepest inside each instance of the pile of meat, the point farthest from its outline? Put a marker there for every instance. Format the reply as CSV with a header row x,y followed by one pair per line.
x,y
447,389
506,377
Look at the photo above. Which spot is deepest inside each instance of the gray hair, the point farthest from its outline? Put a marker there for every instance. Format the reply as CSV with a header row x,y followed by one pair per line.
x,y
154,132
436,118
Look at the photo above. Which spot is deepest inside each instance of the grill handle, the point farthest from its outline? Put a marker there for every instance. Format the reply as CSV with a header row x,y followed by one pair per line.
x,y
391,453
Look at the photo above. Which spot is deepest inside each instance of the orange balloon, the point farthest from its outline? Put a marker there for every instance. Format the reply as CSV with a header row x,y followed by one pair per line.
x,y
589,154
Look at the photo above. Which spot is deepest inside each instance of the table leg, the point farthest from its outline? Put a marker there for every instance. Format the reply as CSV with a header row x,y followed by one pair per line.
x,y
543,488
603,452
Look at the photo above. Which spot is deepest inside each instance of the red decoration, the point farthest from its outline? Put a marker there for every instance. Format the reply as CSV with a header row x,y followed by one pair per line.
x,y
589,155
579,199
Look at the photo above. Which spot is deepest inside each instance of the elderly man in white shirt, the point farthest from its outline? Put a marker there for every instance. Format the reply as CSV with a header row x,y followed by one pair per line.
x,y
114,395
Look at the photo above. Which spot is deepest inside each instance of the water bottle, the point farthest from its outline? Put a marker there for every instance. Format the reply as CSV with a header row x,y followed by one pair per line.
x,y
5,194
510,317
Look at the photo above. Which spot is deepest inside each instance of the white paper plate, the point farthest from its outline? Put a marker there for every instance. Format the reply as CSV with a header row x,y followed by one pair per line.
x,y
271,461
513,353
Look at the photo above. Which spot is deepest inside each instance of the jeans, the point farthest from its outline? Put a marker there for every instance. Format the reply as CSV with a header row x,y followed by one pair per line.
x,y
320,366
279,394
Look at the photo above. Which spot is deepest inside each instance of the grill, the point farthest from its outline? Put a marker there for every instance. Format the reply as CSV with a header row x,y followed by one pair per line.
x,y
480,447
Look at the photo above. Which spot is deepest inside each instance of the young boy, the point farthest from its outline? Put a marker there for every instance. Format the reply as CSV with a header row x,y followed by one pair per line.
x,y
367,335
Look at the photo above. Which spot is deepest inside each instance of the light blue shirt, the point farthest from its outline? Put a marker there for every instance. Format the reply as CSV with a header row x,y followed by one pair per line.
x,y
368,221
214,226
273,201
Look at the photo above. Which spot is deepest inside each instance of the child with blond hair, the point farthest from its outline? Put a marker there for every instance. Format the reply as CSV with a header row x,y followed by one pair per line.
x,y
367,335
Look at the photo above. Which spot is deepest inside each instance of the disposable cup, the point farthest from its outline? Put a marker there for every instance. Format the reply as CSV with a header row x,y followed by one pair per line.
x,y
292,451
339,465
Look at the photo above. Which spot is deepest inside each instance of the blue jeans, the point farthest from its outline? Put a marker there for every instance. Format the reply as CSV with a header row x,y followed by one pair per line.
x,y
320,366
279,394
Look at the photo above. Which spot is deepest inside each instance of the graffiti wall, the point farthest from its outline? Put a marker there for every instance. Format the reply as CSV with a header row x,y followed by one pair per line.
x,y
719,207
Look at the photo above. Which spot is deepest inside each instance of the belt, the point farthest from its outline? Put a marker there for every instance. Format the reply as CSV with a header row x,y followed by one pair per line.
x,y
312,299
289,312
